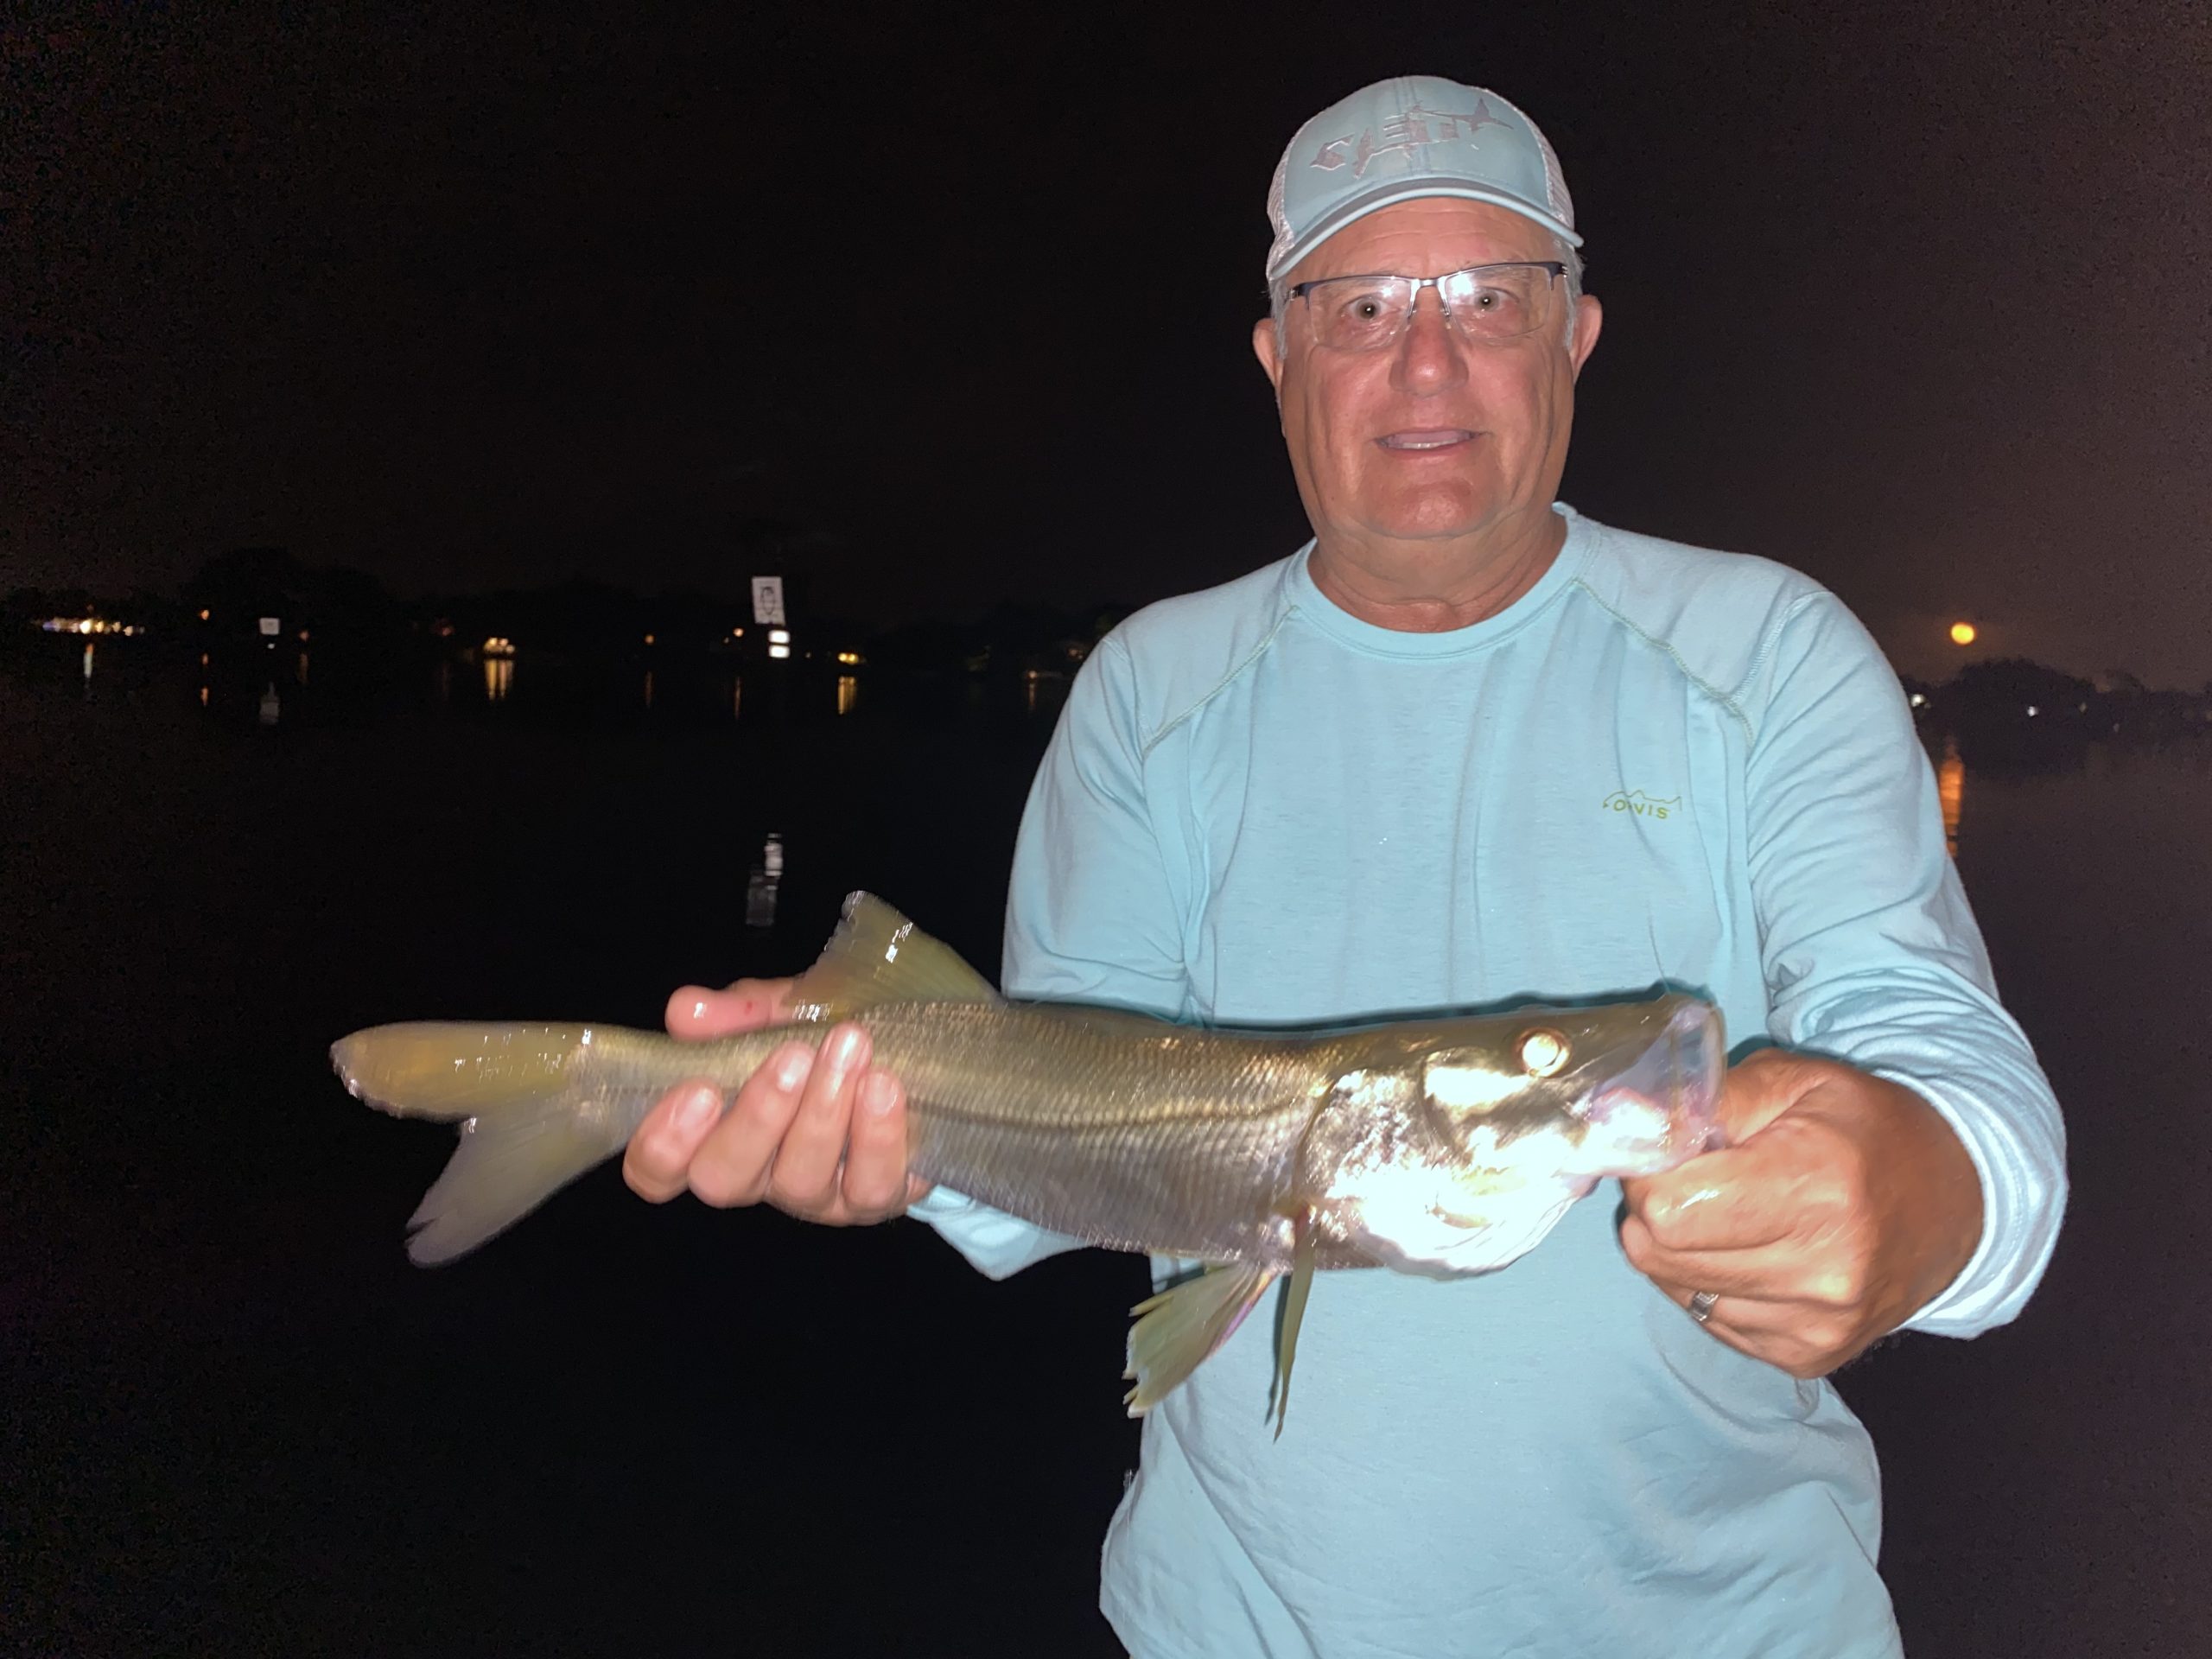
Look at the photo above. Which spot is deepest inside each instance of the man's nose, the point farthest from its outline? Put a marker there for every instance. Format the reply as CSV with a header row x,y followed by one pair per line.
x,y
1428,352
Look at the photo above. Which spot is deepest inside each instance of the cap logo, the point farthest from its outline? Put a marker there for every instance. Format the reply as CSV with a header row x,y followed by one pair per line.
x,y
1401,132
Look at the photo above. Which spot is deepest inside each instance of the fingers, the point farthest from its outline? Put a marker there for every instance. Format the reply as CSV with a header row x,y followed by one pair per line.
x,y
696,1013
659,1159
1736,1198
733,1164
806,1177
875,1183
820,1136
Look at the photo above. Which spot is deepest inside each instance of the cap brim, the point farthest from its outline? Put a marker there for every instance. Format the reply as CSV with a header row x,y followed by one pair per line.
x,y
1400,190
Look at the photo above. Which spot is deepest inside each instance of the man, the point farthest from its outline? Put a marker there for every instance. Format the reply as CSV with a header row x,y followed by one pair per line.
x,y
1468,747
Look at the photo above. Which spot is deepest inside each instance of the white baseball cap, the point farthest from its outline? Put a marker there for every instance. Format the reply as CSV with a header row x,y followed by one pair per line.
x,y
1404,138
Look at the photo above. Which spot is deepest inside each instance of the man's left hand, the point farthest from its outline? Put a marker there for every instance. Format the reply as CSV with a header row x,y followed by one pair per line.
x,y
1841,1206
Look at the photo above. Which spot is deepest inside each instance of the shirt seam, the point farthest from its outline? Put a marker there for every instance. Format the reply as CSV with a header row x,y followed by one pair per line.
x,y
1228,679
1728,701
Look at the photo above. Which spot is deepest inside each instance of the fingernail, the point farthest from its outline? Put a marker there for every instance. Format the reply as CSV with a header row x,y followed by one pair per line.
x,y
877,1094
698,1109
791,1069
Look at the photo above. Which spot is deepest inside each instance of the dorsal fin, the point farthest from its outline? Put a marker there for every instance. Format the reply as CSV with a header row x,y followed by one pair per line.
x,y
878,955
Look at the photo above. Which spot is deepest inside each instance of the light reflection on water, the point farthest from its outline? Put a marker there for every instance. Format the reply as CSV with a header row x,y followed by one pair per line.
x,y
498,676
649,688
737,696
1951,791
763,882
848,692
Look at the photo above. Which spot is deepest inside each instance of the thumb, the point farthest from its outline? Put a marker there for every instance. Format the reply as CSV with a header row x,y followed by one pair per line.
x,y
695,1013
1759,1089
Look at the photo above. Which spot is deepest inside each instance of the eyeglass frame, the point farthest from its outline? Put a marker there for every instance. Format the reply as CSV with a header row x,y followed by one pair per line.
x,y
1300,291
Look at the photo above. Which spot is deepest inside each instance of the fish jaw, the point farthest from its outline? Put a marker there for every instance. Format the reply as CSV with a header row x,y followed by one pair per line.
x,y
1663,1108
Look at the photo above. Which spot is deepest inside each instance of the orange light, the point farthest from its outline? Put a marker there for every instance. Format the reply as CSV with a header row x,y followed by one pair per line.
x,y
1962,633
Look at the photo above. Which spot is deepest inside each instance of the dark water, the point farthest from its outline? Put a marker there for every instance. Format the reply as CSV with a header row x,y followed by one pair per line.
x,y
237,1421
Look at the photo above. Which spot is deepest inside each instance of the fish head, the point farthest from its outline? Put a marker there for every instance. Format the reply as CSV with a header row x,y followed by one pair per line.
x,y
1455,1149
1623,1089
1513,1120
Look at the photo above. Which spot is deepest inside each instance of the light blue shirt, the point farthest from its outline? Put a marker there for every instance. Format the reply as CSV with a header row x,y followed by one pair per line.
x,y
1661,763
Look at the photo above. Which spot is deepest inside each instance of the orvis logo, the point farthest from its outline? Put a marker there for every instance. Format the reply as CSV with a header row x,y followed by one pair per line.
x,y
1636,801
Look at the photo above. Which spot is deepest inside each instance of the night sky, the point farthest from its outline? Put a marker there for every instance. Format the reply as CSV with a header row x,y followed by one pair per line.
x,y
1913,297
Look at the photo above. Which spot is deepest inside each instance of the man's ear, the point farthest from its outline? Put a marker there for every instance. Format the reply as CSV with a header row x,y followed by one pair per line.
x,y
1589,318
1268,349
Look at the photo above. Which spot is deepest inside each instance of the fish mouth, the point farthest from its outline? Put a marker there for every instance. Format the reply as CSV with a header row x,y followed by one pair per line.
x,y
1661,1109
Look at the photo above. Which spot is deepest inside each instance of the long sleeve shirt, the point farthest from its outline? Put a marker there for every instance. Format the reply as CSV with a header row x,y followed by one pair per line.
x,y
1661,763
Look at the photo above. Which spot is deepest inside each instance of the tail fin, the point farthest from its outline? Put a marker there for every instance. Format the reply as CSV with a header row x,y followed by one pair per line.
x,y
528,1126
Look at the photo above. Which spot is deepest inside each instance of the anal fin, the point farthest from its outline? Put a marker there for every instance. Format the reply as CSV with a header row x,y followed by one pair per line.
x,y
1176,1330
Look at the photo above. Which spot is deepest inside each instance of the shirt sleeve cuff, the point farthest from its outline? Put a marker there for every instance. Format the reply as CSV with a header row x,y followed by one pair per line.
x,y
2020,1206
996,1244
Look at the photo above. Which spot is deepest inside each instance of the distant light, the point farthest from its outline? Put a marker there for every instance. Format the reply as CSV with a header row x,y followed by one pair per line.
x,y
851,658
779,650
304,636
780,637
203,614
499,646
1962,633
1919,700
2033,711
649,639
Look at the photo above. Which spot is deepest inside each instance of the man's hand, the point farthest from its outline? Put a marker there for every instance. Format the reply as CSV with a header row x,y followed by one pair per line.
x,y
822,1138
1841,1204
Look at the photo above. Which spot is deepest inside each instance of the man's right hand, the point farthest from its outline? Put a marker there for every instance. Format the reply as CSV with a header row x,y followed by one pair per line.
x,y
822,1137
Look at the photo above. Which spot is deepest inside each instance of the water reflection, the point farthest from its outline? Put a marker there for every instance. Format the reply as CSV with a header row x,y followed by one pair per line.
x,y
301,671
271,704
1951,792
848,692
88,670
498,676
761,886
649,678
737,696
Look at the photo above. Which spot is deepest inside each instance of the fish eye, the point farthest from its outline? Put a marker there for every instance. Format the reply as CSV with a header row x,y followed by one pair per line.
x,y
1544,1052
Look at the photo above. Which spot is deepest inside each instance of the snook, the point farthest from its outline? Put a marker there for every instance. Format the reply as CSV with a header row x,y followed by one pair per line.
x,y
1436,1147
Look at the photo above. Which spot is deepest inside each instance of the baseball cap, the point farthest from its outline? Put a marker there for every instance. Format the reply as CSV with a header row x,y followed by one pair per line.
x,y
1403,138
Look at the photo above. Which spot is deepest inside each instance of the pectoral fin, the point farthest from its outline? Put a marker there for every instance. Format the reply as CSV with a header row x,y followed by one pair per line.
x,y
1177,1329
1293,1309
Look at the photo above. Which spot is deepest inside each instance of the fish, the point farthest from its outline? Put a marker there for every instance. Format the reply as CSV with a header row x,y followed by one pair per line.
x,y
1437,1146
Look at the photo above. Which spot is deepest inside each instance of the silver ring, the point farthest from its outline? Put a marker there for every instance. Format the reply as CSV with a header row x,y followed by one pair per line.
x,y
1701,1303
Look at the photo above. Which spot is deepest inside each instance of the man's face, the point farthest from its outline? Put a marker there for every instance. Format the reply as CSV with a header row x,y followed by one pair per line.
x,y
1435,436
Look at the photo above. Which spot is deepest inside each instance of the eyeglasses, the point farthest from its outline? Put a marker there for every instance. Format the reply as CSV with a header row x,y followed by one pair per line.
x,y
1486,302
